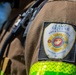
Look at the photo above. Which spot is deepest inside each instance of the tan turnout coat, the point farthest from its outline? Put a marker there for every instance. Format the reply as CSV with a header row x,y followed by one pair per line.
x,y
63,11
22,58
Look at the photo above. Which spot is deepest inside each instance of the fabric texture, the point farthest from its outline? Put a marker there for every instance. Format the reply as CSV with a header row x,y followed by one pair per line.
x,y
53,11
16,48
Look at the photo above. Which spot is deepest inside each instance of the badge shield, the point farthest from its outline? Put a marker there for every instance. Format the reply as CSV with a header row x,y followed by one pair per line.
x,y
58,42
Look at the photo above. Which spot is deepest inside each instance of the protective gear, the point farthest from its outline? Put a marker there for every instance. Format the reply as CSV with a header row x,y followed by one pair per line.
x,y
49,38
5,9
52,68
15,51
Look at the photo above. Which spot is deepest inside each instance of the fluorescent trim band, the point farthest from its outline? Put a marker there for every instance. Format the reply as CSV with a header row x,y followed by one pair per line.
x,y
53,68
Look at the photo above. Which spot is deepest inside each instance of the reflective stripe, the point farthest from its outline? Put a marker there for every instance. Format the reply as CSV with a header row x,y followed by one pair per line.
x,y
52,68
2,73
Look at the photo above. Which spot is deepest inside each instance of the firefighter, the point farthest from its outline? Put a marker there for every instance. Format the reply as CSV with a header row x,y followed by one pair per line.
x,y
51,40
15,51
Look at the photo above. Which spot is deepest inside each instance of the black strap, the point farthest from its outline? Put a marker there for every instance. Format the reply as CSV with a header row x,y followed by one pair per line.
x,y
21,24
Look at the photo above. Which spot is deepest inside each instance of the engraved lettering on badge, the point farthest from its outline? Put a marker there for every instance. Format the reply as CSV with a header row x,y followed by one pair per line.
x,y
58,39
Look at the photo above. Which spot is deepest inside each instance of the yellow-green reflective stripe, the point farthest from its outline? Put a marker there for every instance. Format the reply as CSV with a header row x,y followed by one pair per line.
x,y
41,67
2,73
